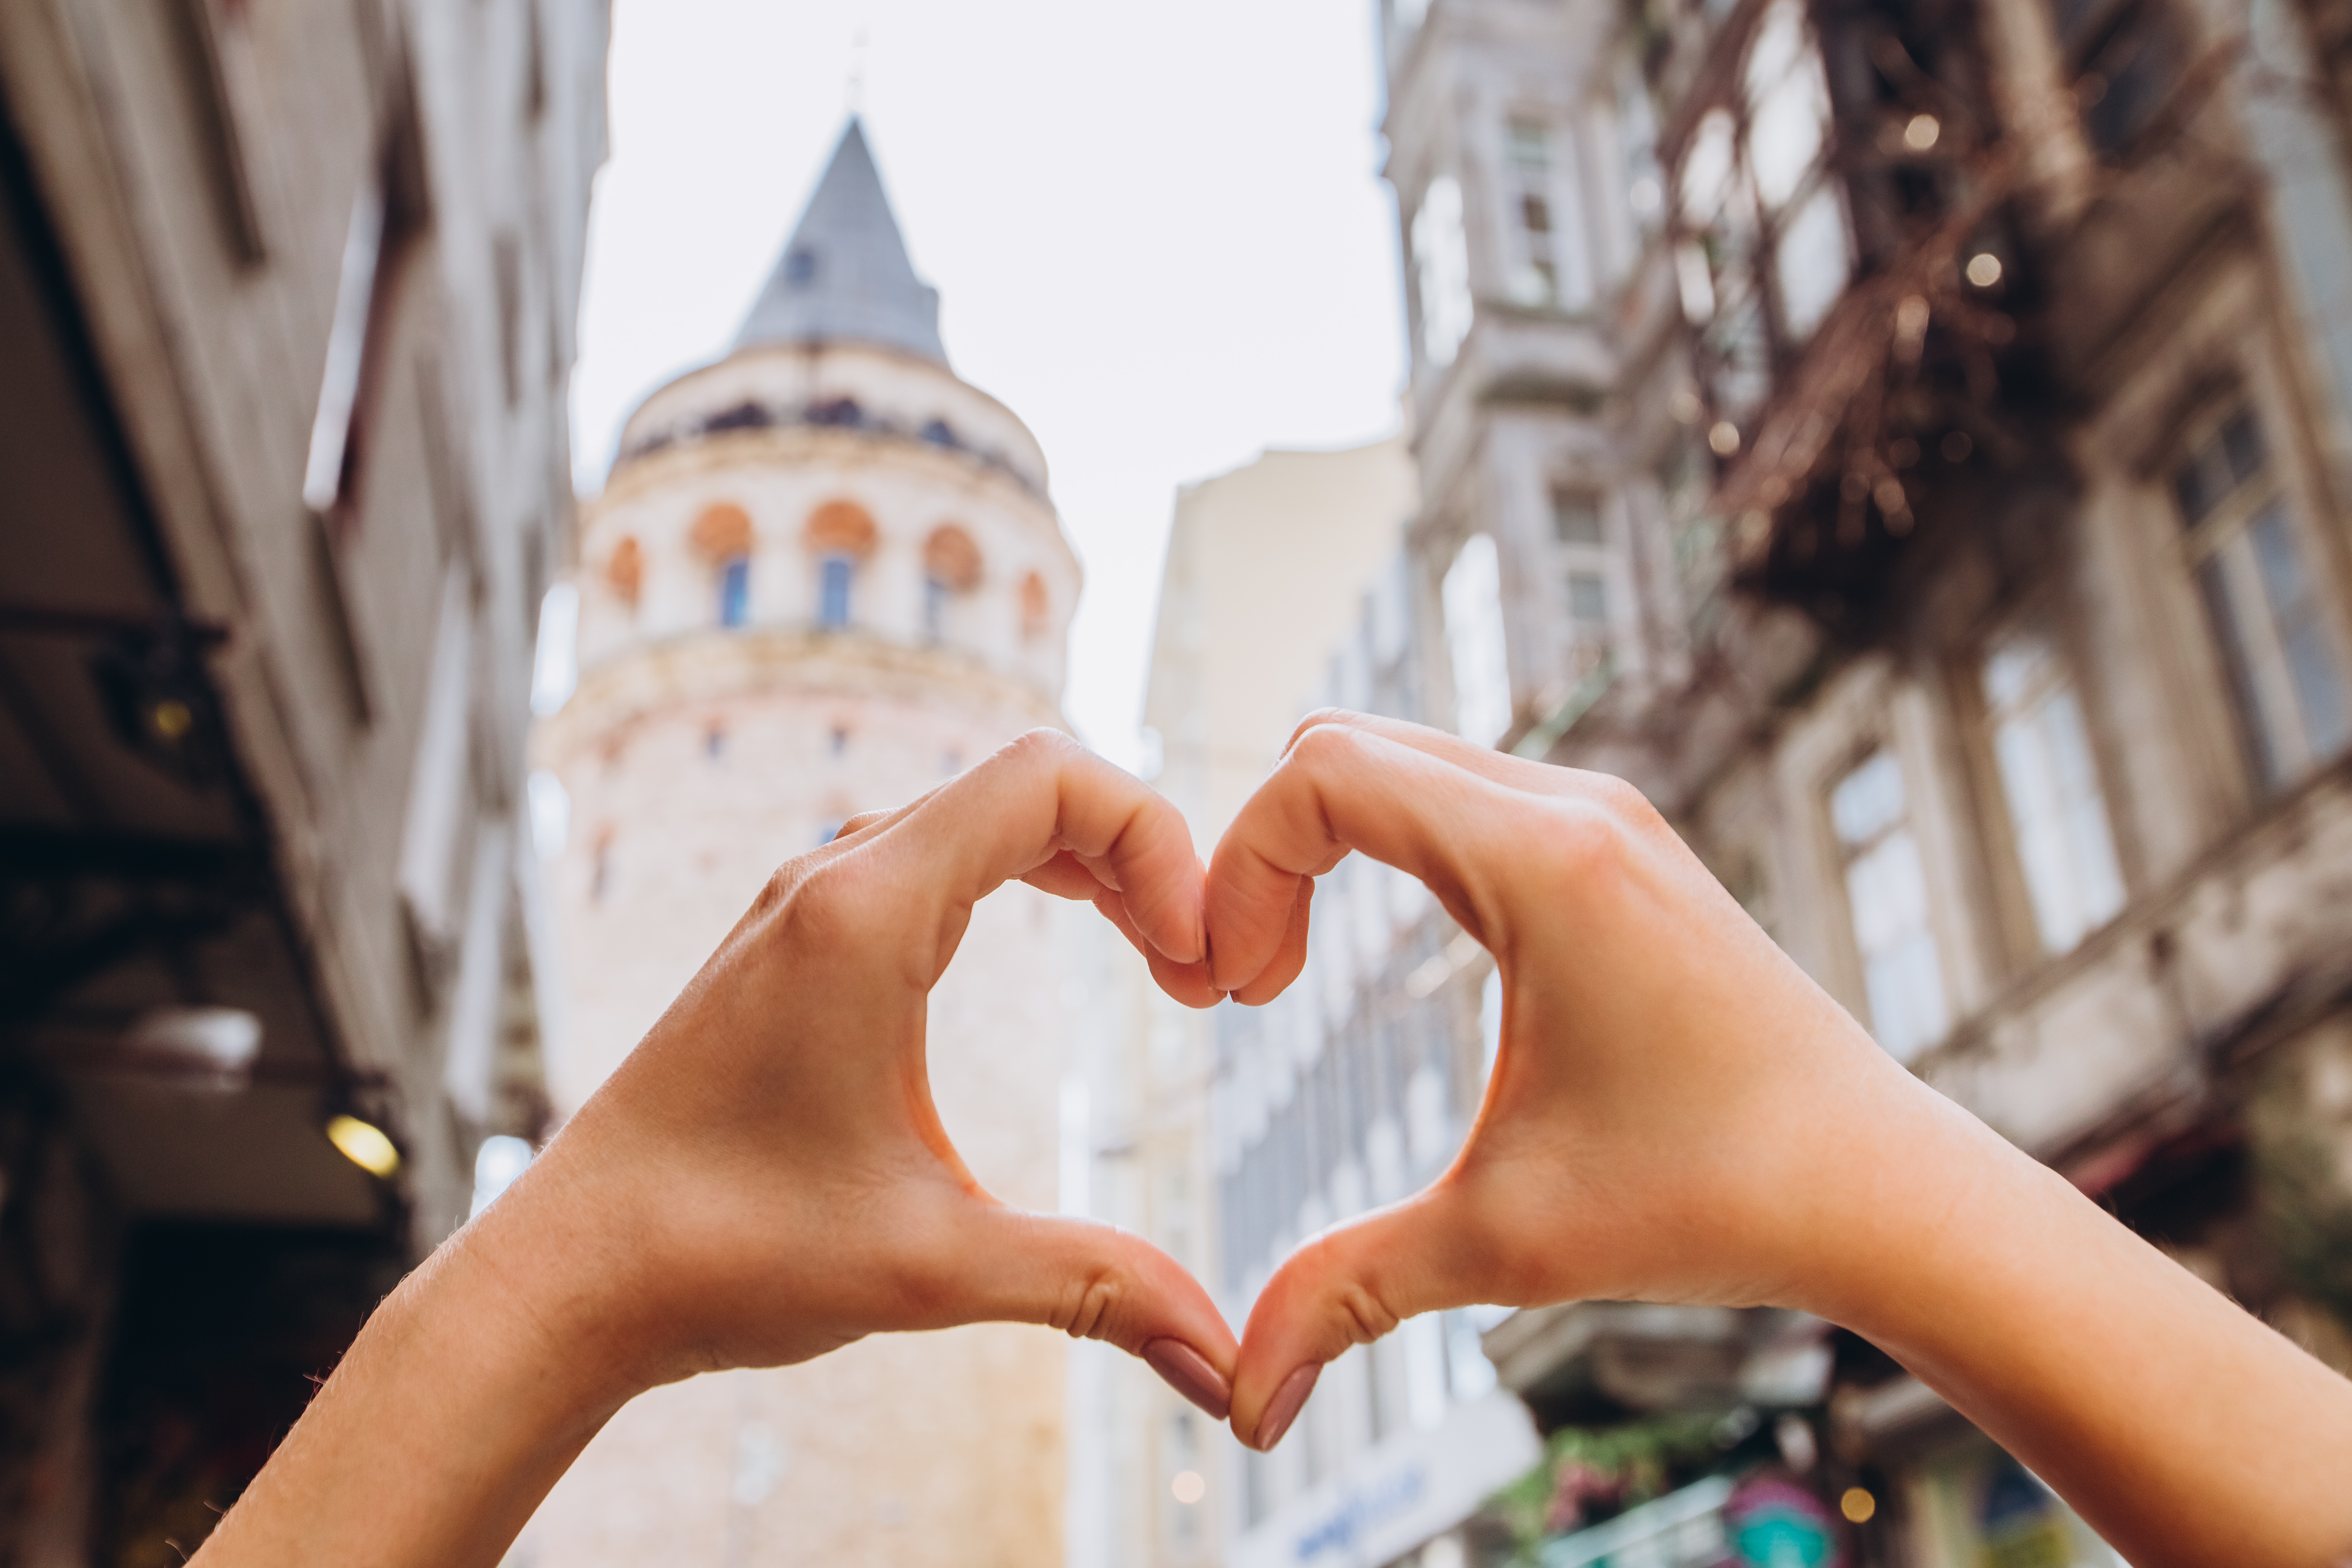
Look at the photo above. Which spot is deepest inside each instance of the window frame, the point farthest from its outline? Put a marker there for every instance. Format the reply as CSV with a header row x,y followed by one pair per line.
x,y
1596,558
2258,685
2022,942
734,586
1729,265
828,563
1881,738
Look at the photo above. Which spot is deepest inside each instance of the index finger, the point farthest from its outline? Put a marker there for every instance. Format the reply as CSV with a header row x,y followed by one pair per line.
x,y
1343,787
1036,797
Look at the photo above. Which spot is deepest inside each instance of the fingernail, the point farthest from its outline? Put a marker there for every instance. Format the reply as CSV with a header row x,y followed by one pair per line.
x,y
1186,1371
1283,1407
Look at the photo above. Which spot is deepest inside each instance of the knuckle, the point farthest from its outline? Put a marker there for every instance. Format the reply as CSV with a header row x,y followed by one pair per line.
x,y
1319,745
823,905
1042,746
1584,840
1362,1315
1621,800
1318,717
1089,1305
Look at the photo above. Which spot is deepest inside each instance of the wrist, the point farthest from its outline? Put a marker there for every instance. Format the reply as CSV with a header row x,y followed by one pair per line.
x,y
1924,1202
550,1272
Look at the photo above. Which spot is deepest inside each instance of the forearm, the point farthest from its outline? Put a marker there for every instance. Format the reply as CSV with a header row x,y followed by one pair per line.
x,y
461,1403
2094,1358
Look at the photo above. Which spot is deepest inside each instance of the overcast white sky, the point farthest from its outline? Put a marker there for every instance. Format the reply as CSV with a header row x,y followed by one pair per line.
x,y
1157,233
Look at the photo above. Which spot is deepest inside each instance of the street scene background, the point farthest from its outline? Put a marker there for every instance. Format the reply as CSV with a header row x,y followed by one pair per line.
x,y
483,482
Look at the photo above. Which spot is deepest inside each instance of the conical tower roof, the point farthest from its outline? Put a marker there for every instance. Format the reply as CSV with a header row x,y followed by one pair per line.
x,y
845,275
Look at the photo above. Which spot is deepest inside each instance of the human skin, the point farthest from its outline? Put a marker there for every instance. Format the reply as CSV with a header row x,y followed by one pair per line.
x,y
763,1180
1677,1113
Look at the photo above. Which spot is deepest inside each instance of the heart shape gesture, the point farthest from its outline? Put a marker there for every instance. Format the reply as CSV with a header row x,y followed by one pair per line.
x,y
773,1139
1676,1114
1637,1141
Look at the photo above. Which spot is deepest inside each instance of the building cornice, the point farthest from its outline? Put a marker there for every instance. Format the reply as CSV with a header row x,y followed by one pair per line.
x,y
711,664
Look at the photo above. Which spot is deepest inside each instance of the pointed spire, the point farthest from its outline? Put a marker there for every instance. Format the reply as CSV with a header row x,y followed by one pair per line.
x,y
845,275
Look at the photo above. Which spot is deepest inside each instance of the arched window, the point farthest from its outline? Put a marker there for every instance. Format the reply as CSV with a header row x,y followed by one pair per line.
x,y
833,572
734,590
624,569
840,534
722,535
950,566
1036,607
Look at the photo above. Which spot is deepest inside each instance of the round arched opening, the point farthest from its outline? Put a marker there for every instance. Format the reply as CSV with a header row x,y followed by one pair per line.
x,y
722,533
625,570
841,528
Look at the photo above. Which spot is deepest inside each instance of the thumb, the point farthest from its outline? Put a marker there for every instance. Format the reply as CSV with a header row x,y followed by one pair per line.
x,y
1096,1282
1347,1286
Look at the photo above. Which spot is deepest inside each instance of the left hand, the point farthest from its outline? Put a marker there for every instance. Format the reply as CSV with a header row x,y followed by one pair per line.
x,y
764,1179
768,1157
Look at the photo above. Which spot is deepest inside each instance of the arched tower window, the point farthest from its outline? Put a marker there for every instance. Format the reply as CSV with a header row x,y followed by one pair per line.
x,y
624,569
840,534
1036,607
734,590
722,535
950,566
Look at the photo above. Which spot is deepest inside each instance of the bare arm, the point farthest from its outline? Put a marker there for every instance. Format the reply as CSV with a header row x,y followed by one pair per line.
x,y
1677,1113
762,1181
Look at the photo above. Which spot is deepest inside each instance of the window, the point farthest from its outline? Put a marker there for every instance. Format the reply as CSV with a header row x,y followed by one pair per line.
x,y
1765,251
624,569
1037,609
734,590
1575,523
1550,268
1576,517
1588,600
833,577
1472,599
1440,255
721,534
2124,57
2052,789
951,565
2269,617
935,609
1886,892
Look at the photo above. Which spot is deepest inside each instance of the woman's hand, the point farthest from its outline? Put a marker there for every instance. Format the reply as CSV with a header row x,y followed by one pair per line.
x,y
763,1180
1675,1104
768,1159
1677,1113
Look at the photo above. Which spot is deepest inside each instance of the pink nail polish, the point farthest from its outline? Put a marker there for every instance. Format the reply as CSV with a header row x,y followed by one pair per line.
x,y
1283,1407
1186,1371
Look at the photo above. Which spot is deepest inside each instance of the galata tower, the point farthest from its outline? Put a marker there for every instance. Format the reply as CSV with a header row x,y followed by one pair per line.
x,y
825,576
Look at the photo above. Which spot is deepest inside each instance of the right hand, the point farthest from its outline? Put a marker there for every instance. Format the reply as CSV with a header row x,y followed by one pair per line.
x,y
1676,1112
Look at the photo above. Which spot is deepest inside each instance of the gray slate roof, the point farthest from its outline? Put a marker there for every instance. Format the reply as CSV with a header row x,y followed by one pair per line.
x,y
845,275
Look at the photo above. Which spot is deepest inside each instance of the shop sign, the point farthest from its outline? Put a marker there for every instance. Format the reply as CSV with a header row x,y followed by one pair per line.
x,y
1774,1523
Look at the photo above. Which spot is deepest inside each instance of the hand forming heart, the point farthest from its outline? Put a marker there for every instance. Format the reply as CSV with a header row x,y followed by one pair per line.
x,y
1670,1089
773,1140
1676,1113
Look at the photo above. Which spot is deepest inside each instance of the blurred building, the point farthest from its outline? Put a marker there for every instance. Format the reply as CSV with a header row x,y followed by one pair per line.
x,y
1267,568
1910,441
824,576
287,297
1350,1090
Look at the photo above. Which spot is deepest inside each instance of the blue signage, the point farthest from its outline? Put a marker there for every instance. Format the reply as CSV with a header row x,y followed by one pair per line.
x,y
1361,1509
